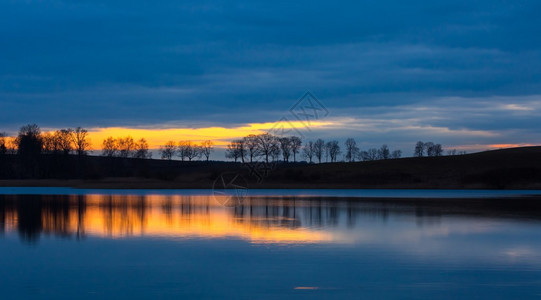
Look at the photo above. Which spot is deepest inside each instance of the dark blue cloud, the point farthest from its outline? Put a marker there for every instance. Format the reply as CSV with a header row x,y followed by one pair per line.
x,y
105,63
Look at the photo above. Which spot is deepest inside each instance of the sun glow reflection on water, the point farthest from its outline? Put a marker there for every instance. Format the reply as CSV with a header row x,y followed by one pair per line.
x,y
268,247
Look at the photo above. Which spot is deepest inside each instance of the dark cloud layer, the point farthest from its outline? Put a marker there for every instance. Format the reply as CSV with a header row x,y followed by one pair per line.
x,y
127,63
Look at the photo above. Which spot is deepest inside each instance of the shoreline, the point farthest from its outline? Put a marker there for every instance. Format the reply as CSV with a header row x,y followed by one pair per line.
x,y
153,184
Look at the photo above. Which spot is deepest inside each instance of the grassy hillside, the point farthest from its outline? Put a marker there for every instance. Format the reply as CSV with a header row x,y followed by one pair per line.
x,y
516,168
508,168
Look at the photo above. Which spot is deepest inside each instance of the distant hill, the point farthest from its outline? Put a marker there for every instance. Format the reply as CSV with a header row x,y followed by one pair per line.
x,y
515,168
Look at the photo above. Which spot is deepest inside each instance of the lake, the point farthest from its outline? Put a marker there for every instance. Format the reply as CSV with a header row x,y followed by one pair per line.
x,y
268,244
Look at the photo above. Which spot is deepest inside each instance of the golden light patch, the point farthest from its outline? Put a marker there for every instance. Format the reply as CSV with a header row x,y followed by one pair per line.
x,y
221,136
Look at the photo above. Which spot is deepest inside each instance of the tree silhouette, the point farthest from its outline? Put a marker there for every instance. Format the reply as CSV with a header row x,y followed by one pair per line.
x,y
319,147
275,150
369,155
308,151
81,141
241,148
352,150
126,146
433,149
183,149
232,151
266,145
195,152
29,142
29,146
50,144
168,150
419,149
141,149
206,148
64,139
438,150
384,152
186,149
109,147
251,143
296,144
285,147
333,149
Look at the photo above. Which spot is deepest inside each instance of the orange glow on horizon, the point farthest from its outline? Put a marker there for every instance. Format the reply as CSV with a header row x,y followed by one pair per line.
x,y
499,146
485,147
221,136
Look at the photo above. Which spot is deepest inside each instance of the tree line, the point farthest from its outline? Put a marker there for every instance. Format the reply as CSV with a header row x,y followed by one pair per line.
x,y
125,147
37,154
186,150
268,147
30,141
432,149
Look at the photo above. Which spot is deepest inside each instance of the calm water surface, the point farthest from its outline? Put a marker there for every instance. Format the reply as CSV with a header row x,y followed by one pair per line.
x,y
61,243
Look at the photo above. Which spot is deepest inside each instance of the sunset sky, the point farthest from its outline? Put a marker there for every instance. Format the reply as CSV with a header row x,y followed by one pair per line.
x,y
465,74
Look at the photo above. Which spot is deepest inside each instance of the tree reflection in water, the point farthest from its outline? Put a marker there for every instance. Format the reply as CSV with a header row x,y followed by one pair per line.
x,y
259,219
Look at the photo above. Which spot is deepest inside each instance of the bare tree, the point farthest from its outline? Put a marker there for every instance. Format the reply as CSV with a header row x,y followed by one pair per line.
x,y
81,141
308,151
419,149
232,151
64,140
141,149
396,154
433,149
384,152
251,143
452,152
327,151
195,153
126,146
241,148
109,147
369,155
352,150
334,150
183,149
188,150
438,150
285,147
429,148
168,150
363,155
266,145
275,150
296,144
206,148
319,147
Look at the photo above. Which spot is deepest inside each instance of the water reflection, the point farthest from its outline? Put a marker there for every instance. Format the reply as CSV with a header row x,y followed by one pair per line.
x,y
259,220
270,247
178,216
